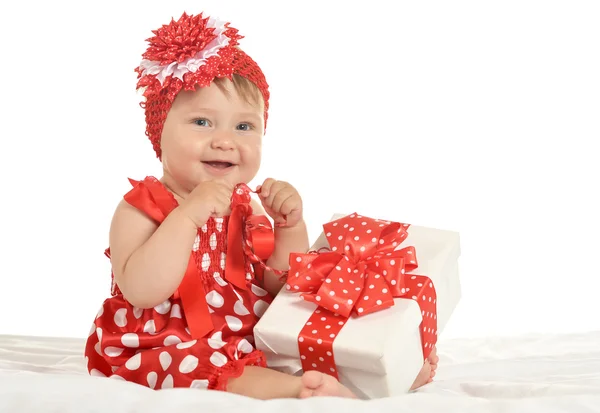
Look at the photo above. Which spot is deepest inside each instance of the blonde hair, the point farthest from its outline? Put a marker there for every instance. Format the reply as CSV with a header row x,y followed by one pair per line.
x,y
243,87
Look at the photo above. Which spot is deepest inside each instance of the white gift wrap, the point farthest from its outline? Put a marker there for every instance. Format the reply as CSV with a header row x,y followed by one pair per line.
x,y
380,354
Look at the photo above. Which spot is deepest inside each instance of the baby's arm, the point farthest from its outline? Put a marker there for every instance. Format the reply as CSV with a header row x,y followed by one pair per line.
x,y
149,261
287,240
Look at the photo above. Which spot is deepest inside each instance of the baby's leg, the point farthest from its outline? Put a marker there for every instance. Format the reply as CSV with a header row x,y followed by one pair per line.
x,y
263,383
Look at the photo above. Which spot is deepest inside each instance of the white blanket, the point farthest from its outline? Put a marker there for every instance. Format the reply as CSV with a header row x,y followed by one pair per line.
x,y
551,373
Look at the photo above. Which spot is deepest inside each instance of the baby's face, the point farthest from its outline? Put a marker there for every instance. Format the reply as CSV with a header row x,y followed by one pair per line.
x,y
209,135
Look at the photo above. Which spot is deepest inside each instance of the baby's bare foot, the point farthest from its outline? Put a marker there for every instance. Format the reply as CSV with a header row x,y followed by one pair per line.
x,y
427,373
316,384
433,361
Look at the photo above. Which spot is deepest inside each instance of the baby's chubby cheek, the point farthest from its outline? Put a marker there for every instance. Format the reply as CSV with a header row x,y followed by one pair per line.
x,y
251,154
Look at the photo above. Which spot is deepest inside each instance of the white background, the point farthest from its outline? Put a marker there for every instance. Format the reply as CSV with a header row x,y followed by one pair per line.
x,y
472,116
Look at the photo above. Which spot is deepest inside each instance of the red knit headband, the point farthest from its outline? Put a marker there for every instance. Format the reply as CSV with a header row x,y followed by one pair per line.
x,y
186,53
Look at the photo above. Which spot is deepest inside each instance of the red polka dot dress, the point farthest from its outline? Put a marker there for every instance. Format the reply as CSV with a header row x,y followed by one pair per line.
x,y
154,347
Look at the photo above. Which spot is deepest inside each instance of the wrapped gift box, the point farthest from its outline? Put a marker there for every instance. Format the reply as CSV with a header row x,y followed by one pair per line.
x,y
379,354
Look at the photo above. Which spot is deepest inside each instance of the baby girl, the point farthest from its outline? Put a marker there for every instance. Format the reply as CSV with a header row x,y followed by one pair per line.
x,y
187,287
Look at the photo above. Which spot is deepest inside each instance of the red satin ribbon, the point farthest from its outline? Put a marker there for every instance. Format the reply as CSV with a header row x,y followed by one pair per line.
x,y
362,274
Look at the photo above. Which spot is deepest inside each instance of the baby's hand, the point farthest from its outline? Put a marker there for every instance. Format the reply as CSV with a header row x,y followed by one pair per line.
x,y
208,199
282,202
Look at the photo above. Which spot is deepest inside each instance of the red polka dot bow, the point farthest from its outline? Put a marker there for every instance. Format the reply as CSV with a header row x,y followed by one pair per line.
x,y
362,273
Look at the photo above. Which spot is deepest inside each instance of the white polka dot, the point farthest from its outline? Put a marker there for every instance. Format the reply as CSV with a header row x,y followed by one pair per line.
x,y
215,299
216,341
260,307
301,339
218,279
259,292
333,248
196,244
336,306
120,317
392,262
137,312
314,331
151,378
303,357
329,353
167,382
244,346
163,308
356,238
311,349
186,344
134,362
117,377
223,260
329,234
97,373
332,293
130,340
379,302
234,323
170,340
113,351
199,384
314,365
165,360
213,241
239,308
149,327
188,364
319,341
393,282
176,311
360,310
218,359
205,261
99,333
385,290
366,297
332,335
369,231
424,298
298,259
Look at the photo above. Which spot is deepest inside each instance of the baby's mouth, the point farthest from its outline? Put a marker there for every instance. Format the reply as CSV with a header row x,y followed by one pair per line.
x,y
218,164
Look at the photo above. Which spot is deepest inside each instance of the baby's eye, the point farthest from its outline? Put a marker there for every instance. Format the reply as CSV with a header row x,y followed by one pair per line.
x,y
201,122
244,126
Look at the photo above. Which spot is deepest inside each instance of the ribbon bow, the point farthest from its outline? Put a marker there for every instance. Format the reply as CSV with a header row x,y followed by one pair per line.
x,y
365,277
363,272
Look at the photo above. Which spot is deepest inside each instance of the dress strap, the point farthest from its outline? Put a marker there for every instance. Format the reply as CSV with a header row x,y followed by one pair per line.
x,y
151,197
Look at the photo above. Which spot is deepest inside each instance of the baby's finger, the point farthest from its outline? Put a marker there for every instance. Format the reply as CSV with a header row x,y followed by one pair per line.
x,y
292,203
265,188
276,187
280,197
